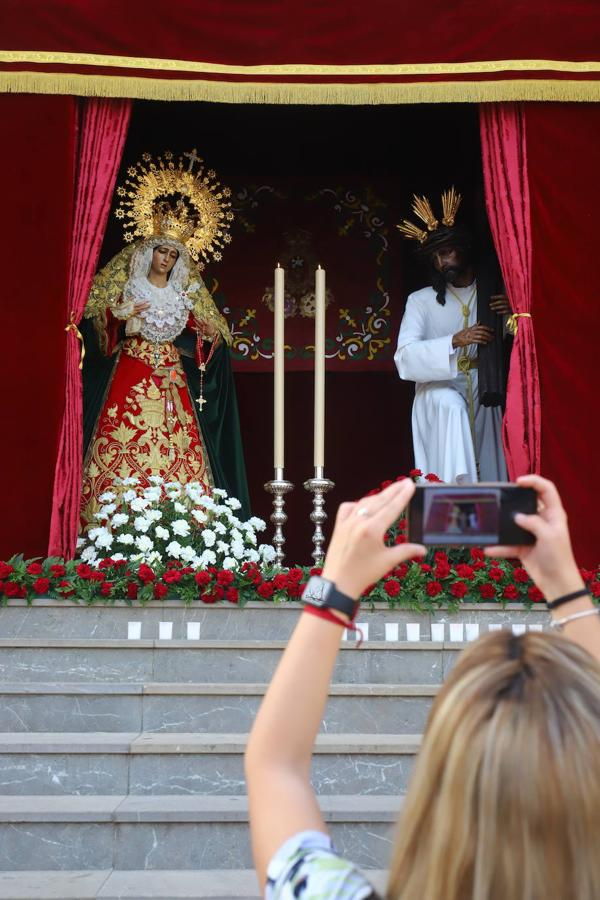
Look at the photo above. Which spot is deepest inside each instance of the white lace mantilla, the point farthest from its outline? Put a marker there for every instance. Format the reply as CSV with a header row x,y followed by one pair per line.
x,y
168,312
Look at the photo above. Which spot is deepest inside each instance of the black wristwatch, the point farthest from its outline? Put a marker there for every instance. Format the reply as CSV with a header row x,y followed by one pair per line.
x,y
323,594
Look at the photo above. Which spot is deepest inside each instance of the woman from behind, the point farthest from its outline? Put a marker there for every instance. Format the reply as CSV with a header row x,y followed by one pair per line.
x,y
504,802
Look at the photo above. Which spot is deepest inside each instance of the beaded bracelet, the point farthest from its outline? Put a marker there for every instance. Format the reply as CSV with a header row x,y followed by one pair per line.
x,y
558,623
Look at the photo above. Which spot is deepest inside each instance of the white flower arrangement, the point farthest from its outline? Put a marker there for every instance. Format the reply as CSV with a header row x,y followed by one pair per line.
x,y
170,521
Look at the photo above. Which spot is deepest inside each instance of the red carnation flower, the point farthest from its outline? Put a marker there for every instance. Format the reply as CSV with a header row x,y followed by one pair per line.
x,y
266,590
400,571
69,590
119,563
160,590
400,539
316,570
392,587
440,556
225,577
295,589
106,589
595,588
280,581
415,473
401,478
520,575
146,574
586,574
172,576
425,567
385,484
535,594
41,585
458,589
478,565
97,576
487,591
132,590
35,568
84,571
433,588
202,578
295,574
510,592
232,595
106,563
5,570
57,571
442,570
495,573
477,553
433,478
465,571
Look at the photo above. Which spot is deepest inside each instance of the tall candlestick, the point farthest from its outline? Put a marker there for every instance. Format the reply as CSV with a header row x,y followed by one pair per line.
x,y
319,434
279,349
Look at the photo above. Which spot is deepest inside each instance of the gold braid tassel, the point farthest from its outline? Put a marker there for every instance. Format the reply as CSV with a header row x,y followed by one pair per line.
x,y
512,323
73,327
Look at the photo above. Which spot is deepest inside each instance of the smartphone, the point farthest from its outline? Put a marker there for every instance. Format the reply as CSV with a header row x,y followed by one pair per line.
x,y
448,515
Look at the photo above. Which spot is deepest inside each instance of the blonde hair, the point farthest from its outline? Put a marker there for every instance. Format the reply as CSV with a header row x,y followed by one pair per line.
x,y
504,802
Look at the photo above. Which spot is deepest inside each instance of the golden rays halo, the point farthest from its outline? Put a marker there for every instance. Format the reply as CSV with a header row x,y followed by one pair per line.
x,y
178,199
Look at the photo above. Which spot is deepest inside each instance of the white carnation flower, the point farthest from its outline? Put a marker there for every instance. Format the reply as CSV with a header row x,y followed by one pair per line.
x,y
153,557
222,547
181,527
156,479
88,555
128,496
131,480
173,492
220,528
209,537
144,543
219,492
180,508
234,521
141,523
196,563
154,515
119,519
235,535
238,549
100,516
229,563
250,538
139,504
162,533
208,558
107,497
194,489
152,494
252,556
174,549
108,509
207,502
172,485
199,516
104,540
94,532
188,554
257,524
117,556
234,503
267,552
125,539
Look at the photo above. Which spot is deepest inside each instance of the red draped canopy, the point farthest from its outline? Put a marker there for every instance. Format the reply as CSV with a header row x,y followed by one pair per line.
x,y
304,51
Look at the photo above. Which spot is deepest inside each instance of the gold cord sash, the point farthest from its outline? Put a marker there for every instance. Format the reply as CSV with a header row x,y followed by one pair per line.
x,y
512,323
73,327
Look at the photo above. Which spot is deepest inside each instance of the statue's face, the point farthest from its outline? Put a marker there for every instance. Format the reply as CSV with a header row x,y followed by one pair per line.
x,y
450,261
163,259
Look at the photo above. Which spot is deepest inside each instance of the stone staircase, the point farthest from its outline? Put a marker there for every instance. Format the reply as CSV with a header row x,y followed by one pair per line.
x,y
121,760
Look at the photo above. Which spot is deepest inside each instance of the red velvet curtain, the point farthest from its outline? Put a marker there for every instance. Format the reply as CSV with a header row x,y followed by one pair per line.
x,y
562,152
504,160
102,136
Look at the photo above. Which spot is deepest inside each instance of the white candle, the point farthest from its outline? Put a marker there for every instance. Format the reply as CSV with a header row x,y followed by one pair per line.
x,y
279,407
319,435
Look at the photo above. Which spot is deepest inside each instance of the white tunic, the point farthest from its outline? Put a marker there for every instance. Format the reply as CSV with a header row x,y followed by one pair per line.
x,y
442,437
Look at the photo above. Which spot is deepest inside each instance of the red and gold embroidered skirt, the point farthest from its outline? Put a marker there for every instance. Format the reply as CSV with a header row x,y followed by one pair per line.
x,y
147,425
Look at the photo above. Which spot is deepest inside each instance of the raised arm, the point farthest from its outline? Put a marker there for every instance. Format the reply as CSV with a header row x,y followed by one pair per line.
x,y
551,564
282,801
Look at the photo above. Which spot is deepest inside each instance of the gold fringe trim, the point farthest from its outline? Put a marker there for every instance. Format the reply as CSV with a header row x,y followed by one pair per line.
x,y
257,92
43,57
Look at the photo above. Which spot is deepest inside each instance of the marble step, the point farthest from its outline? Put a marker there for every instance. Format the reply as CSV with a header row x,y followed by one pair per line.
x,y
255,621
188,764
112,884
217,707
80,659
179,833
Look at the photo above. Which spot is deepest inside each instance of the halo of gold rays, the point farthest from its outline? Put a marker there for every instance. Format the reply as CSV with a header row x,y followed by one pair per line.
x,y
421,207
178,199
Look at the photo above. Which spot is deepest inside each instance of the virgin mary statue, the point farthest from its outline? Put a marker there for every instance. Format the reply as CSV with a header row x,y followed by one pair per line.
x,y
162,402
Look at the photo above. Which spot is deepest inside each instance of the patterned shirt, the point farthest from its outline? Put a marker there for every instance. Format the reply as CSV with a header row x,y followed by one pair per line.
x,y
308,867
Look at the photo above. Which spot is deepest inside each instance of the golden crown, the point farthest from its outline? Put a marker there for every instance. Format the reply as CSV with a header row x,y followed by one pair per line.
x,y
422,209
173,199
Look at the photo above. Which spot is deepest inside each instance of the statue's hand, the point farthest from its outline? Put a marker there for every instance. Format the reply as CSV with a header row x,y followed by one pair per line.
x,y
140,307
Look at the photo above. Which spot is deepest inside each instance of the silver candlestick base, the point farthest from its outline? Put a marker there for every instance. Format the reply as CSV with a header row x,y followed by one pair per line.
x,y
279,487
318,485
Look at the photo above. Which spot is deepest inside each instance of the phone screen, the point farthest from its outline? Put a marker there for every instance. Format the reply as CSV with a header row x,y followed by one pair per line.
x,y
468,516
